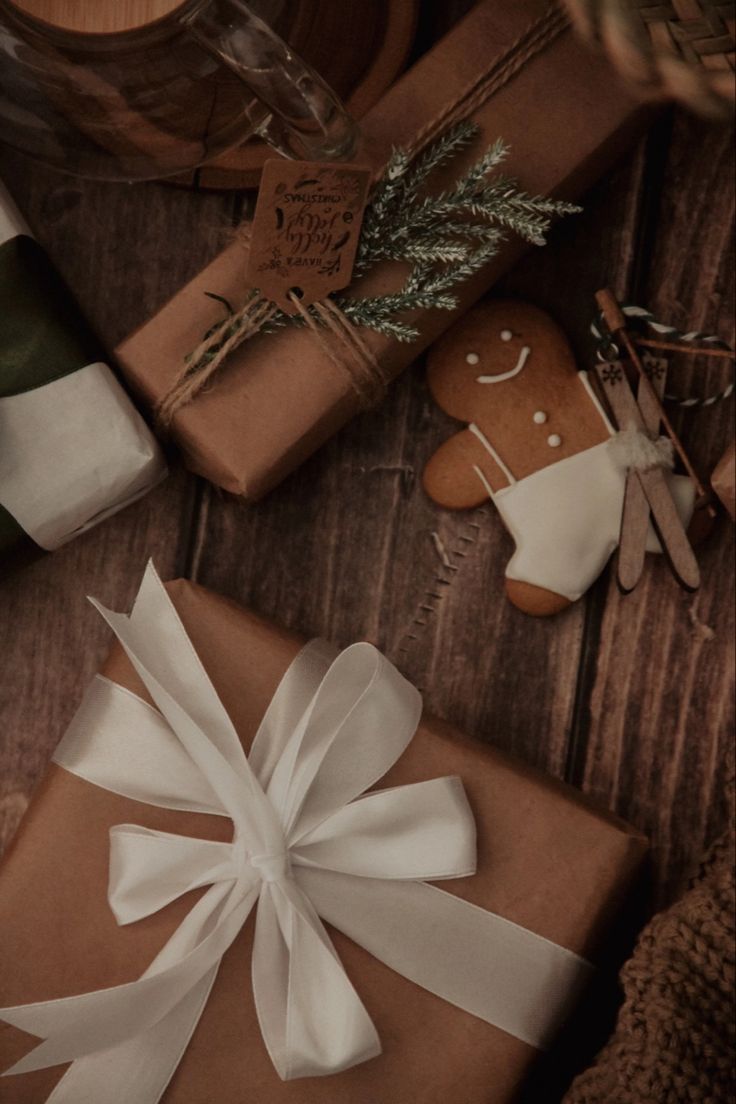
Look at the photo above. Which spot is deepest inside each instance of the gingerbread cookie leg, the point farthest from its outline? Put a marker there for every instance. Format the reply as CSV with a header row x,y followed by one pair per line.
x,y
534,600
462,474
564,520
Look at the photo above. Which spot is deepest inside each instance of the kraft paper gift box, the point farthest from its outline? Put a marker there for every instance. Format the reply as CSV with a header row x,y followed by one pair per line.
x,y
73,447
515,68
546,860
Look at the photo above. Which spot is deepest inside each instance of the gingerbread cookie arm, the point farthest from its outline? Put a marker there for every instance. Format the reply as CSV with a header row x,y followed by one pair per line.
x,y
462,473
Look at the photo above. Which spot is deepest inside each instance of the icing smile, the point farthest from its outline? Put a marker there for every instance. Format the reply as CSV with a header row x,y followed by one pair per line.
x,y
523,357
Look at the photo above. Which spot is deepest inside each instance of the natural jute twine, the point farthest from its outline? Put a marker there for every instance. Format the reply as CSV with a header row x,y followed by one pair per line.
x,y
338,338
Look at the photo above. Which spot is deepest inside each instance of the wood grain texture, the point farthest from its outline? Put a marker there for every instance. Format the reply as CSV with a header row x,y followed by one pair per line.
x,y
659,696
628,697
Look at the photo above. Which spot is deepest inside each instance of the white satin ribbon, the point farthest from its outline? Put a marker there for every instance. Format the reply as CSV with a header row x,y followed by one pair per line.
x,y
308,842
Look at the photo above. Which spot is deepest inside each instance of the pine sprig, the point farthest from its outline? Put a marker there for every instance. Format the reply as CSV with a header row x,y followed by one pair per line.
x,y
439,153
445,238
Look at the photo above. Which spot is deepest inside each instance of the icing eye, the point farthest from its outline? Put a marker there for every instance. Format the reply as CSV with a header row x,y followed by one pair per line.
x,y
472,358
554,440
506,335
540,417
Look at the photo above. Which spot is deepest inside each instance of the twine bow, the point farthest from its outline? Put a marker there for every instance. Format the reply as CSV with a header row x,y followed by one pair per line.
x,y
340,341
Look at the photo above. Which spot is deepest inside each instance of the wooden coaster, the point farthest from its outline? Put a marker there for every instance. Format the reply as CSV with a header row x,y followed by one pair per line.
x,y
98,16
358,48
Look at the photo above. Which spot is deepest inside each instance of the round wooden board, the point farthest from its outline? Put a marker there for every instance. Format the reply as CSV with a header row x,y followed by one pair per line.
x,y
359,48
100,17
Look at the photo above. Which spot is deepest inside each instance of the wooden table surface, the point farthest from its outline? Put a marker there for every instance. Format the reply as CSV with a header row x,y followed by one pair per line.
x,y
629,698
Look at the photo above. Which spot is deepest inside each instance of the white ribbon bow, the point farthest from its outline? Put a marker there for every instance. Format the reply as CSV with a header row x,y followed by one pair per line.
x,y
308,842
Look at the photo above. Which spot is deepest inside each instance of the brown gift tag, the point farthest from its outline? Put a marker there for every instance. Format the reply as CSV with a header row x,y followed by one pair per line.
x,y
306,230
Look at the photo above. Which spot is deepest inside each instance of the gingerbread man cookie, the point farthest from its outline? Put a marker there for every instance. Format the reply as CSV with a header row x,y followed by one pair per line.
x,y
538,443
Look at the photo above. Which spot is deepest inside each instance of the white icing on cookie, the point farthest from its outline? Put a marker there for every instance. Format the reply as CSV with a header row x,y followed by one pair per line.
x,y
554,440
523,357
583,377
492,452
488,488
472,358
540,417
506,335
578,499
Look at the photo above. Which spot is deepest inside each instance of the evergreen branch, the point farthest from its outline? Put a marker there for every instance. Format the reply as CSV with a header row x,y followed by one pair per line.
x,y
376,316
494,156
441,151
446,237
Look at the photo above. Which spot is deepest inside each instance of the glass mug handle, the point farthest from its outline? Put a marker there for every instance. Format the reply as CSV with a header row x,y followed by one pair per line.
x,y
303,117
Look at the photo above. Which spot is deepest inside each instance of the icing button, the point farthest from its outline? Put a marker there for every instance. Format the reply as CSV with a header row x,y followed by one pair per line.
x,y
472,358
554,440
506,335
540,417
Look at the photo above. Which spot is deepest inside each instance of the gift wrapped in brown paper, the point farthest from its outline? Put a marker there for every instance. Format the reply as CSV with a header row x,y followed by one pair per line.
x,y
204,922
515,69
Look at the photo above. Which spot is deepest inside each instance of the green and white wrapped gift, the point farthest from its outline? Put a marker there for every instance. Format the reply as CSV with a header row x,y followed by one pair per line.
x,y
73,448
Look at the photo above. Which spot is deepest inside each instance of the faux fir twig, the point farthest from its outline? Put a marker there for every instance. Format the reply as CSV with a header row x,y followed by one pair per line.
x,y
445,238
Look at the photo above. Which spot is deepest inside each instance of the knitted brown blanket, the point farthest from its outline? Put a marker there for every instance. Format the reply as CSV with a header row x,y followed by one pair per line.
x,y
675,1038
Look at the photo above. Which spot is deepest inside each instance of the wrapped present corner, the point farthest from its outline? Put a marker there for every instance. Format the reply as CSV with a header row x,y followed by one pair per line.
x,y
513,67
367,907
73,449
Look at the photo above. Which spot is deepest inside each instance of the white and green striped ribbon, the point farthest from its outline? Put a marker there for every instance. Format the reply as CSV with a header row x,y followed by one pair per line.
x,y
607,349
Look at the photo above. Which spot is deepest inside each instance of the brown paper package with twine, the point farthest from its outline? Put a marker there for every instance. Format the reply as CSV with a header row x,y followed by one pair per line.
x,y
518,71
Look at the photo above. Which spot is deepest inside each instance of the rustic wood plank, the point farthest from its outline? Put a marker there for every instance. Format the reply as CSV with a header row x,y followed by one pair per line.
x,y
659,703
123,251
